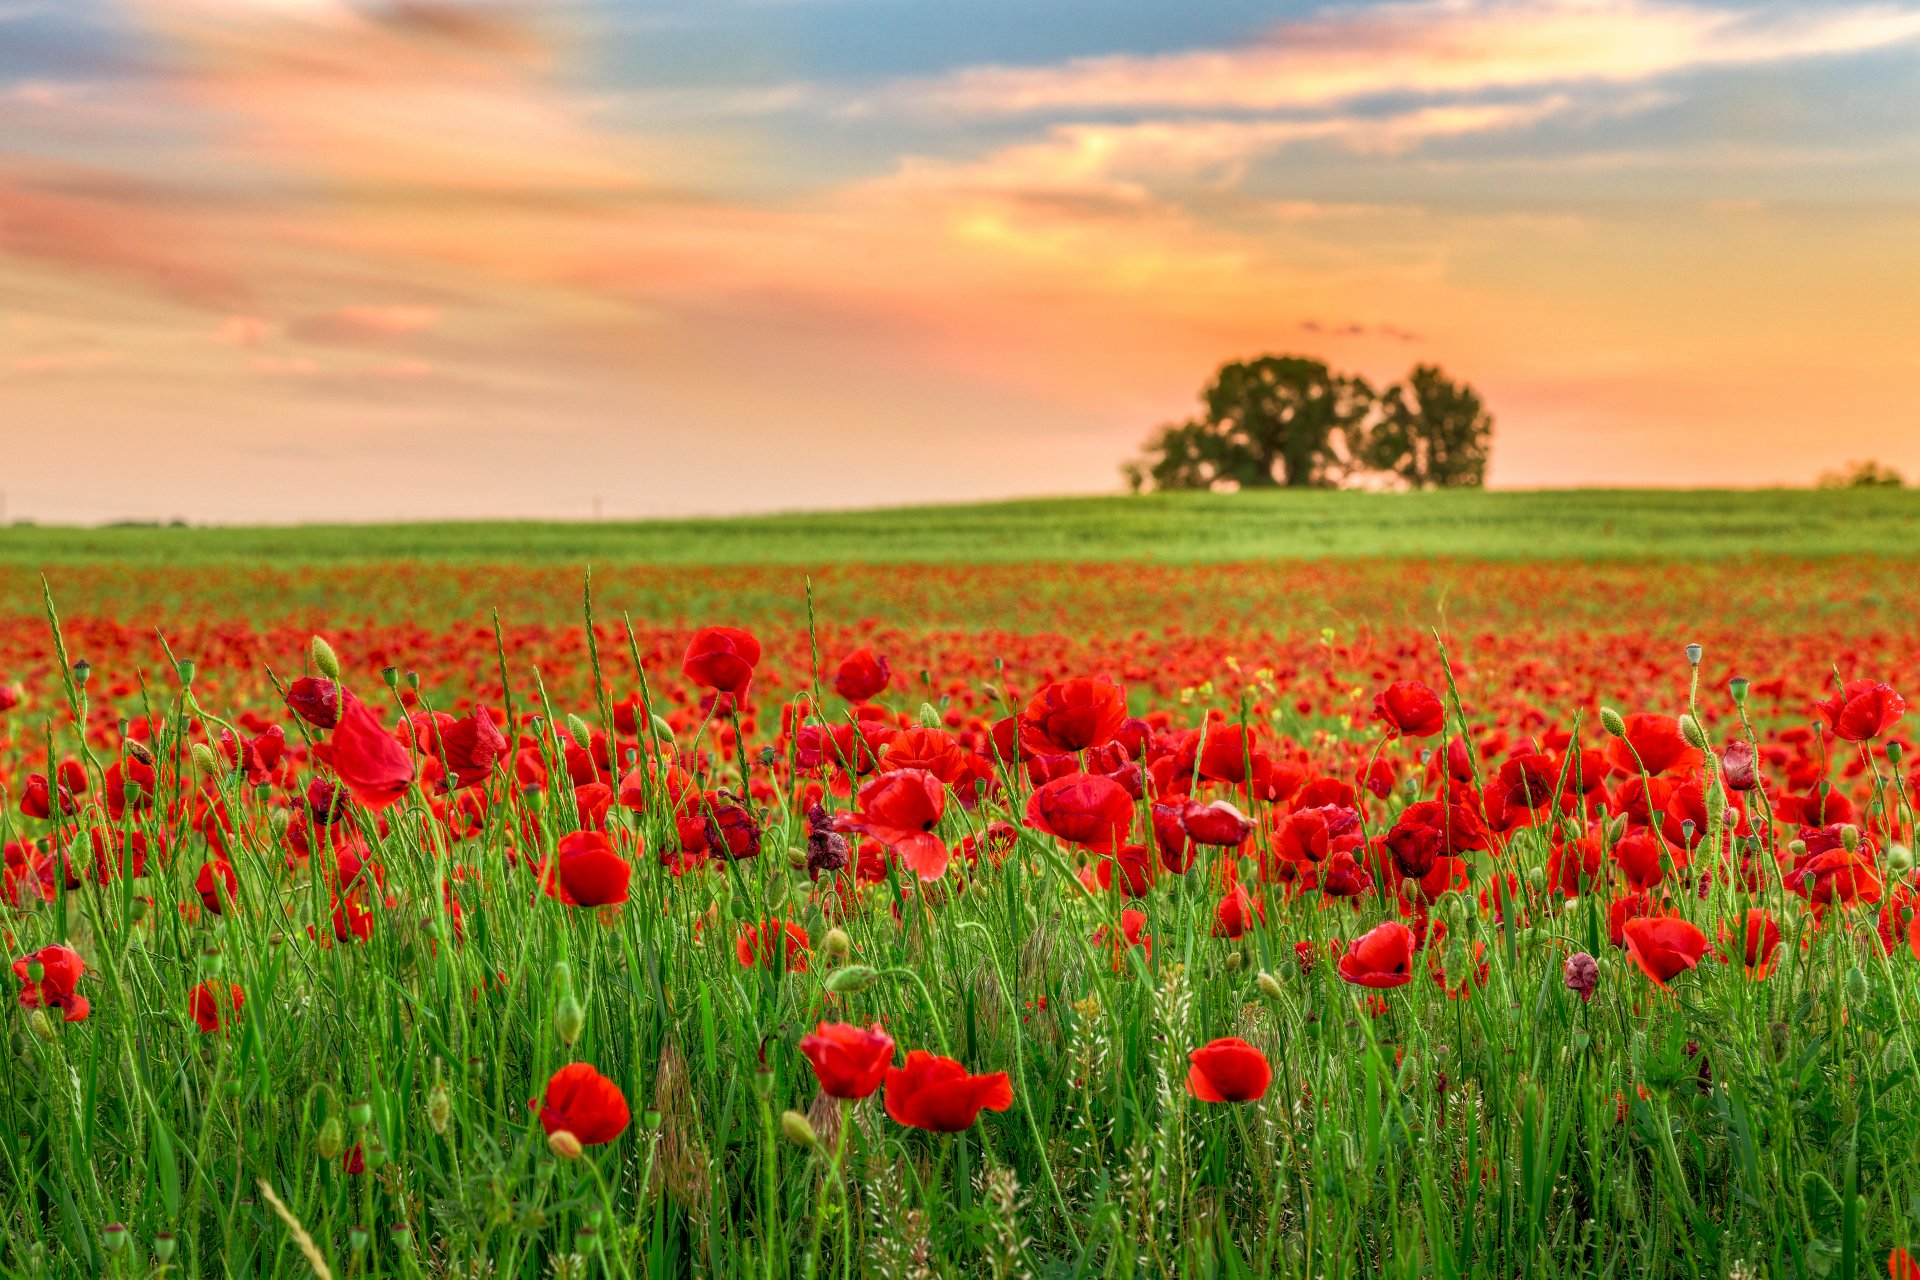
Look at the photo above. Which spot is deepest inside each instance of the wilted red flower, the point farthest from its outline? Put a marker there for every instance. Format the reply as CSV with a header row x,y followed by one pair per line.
x,y
591,874
721,658
1228,1070
1073,715
863,674
1409,707
931,1092
371,762
315,700
848,1061
214,1003
1663,946
761,943
584,1103
61,969
1380,958
900,810
1862,710
1083,809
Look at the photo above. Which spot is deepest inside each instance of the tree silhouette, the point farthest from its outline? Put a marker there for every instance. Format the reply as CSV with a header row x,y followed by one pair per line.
x,y
1275,421
1433,432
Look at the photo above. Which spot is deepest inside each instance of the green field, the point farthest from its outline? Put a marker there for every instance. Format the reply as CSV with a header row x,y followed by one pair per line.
x,y
1554,524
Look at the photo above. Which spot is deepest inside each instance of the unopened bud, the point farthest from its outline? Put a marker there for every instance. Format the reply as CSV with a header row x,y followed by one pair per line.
x,y
569,1020
662,730
1850,838
1610,721
1233,961
579,730
851,980
1856,984
795,1128
1895,752
205,760
331,1140
1691,731
837,944
439,1107
324,659
929,716
1269,985
564,1145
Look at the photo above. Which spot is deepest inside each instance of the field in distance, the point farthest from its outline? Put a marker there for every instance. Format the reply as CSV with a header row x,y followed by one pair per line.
x,y
1574,524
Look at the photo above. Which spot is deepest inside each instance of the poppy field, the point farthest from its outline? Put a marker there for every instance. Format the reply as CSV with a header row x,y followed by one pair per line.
x,y
1443,917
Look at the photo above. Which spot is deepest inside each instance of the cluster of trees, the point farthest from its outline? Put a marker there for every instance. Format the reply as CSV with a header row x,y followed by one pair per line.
x,y
1290,422
1863,475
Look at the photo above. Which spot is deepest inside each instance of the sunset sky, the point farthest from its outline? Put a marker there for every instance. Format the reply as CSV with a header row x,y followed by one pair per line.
x,y
367,259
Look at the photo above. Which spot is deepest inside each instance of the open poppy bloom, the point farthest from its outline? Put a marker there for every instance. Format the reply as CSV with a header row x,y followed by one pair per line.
x,y
1862,710
1409,707
1083,809
900,810
584,1103
863,674
1380,958
848,1061
591,874
1652,742
1760,939
931,1092
214,1004
721,658
371,762
760,943
1228,1070
60,969
1663,946
1219,824
1073,715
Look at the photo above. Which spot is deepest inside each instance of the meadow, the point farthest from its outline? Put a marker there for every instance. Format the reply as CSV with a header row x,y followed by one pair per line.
x,y
1297,885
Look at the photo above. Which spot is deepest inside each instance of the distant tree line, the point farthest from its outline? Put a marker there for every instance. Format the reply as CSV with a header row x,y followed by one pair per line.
x,y
1863,475
1291,422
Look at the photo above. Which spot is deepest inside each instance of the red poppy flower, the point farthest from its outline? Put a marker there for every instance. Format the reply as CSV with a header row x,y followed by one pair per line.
x,y
1409,707
315,700
1657,740
1133,925
1383,957
863,674
1901,1266
470,747
934,750
258,756
1073,715
371,762
757,944
38,801
591,874
721,658
848,1061
1663,946
1836,875
900,810
1759,938
60,971
1236,912
931,1092
584,1103
214,1003
217,884
1219,824
1228,1070
1083,809
1638,855
1862,710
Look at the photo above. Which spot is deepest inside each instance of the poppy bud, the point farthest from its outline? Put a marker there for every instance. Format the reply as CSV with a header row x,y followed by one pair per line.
x,y
439,1107
1233,961
837,944
1738,688
578,728
324,659
1894,1057
1269,985
662,730
113,1238
204,760
929,716
1856,984
564,1145
795,1128
1899,859
1693,655
569,1019
390,676
360,1113
1850,838
1610,721
851,980
331,1140
1691,731
1894,752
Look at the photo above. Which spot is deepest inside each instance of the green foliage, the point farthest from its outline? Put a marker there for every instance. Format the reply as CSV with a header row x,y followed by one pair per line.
x,y
1433,433
1278,420
1863,475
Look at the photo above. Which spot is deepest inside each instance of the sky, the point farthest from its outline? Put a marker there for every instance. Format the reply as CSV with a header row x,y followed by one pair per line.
x,y
282,260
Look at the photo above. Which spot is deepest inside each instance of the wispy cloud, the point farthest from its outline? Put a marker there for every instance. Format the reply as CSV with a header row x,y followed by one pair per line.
x,y
1427,47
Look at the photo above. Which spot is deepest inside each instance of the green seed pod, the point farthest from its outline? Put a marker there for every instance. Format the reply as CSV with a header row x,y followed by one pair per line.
x,y
390,676
1738,688
114,1238
324,659
163,1245
360,1113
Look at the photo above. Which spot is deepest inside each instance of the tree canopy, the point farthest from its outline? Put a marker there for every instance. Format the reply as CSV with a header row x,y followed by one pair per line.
x,y
1290,421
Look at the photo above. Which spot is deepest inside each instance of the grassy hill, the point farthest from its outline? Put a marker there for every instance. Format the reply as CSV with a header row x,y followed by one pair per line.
x,y
1562,524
